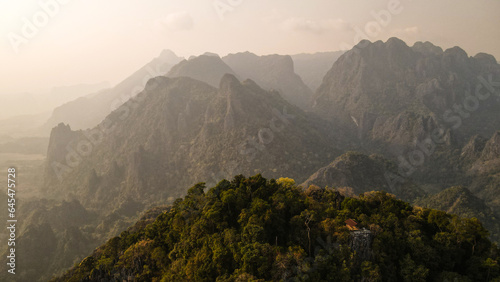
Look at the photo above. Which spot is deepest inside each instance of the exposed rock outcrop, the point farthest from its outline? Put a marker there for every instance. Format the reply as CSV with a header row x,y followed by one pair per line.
x,y
361,244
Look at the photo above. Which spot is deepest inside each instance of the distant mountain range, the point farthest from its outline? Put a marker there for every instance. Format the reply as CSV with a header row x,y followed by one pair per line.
x,y
274,72
86,112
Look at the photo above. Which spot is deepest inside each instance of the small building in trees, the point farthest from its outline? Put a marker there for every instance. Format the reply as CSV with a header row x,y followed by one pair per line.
x,y
351,224
360,240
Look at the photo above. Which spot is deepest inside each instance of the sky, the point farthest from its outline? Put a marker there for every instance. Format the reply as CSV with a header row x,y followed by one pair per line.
x,y
47,43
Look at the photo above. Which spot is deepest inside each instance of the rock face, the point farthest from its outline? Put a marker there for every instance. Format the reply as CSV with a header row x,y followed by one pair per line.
x,y
391,94
472,151
61,138
492,148
483,170
361,244
272,72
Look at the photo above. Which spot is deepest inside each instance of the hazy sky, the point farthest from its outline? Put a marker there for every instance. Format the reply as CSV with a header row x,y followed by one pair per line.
x,y
75,41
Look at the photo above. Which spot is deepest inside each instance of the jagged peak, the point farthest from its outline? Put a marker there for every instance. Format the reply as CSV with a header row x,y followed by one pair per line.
x,y
492,148
60,130
228,83
495,138
62,127
476,138
392,45
474,146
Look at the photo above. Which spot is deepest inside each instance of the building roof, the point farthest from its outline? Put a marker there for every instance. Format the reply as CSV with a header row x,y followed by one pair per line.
x,y
351,222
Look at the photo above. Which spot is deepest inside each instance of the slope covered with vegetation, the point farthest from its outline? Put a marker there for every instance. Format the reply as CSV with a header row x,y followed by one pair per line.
x,y
253,229
460,201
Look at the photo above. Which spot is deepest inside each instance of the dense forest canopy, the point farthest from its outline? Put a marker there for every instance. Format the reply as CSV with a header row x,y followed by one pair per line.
x,y
253,229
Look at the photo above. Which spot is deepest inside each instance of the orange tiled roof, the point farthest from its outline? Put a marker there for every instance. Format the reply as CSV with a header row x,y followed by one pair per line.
x,y
351,223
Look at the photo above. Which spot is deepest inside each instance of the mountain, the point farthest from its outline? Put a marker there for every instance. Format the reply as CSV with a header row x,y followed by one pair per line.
x,y
313,67
181,125
208,68
393,95
482,169
272,72
359,173
460,201
175,133
87,112
417,106
253,229
473,149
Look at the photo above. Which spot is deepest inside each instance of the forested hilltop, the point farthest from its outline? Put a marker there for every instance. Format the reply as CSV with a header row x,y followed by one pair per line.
x,y
253,229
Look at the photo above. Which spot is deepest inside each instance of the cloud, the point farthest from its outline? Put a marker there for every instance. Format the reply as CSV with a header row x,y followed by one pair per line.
x,y
314,26
178,21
